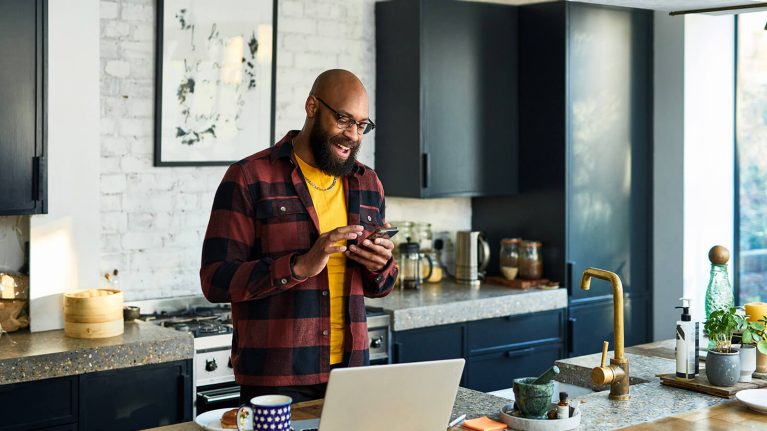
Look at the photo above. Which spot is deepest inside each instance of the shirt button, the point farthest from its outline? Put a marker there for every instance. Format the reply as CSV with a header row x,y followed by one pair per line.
x,y
325,332
370,218
283,209
324,293
284,281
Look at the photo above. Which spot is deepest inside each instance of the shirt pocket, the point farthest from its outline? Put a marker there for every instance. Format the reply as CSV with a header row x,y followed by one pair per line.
x,y
284,226
370,219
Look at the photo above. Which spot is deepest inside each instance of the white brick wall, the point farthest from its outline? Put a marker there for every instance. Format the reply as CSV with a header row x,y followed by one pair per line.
x,y
154,219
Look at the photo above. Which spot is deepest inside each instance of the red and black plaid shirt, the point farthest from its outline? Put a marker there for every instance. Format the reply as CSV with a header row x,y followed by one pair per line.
x,y
263,216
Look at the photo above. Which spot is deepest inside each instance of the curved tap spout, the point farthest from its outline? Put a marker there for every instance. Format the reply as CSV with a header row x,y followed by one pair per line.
x,y
617,373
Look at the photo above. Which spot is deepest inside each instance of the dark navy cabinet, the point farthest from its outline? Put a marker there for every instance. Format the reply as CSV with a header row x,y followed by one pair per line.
x,y
446,98
497,350
22,110
127,399
585,87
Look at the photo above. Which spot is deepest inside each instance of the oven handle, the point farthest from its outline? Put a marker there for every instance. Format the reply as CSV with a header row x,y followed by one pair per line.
x,y
220,397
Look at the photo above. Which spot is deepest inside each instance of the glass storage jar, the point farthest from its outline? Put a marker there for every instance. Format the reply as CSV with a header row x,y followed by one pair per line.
x,y
404,234
530,260
509,257
422,235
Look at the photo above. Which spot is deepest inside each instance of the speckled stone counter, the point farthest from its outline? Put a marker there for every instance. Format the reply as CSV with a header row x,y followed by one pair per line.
x,y
472,403
450,302
649,399
41,355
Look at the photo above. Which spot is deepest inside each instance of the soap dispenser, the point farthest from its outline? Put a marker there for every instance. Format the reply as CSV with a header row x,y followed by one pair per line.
x,y
687,365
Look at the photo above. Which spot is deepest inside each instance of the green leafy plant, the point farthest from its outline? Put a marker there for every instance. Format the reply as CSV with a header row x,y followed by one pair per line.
x,y
721,326
754,334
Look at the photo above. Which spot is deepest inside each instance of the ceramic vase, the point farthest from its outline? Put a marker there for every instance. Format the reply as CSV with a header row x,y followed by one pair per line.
x,y
761,362
747,363
723,369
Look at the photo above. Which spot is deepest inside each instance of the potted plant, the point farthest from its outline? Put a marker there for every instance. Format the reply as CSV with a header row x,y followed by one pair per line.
x,y
723,361
753,339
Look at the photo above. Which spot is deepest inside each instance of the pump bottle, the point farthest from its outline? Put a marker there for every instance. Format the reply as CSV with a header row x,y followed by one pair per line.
x,y
687,365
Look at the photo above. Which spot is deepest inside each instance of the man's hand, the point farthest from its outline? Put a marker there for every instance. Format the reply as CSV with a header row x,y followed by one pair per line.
x,y
315,260
372,255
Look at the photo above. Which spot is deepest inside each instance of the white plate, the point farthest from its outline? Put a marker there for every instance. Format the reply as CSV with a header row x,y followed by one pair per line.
x,y
755,399
211,420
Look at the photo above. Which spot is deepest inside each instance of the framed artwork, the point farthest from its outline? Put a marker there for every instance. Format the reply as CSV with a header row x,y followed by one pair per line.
x,y
214,97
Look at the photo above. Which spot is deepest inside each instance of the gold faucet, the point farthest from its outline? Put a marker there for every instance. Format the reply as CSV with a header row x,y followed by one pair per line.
x,y
617,373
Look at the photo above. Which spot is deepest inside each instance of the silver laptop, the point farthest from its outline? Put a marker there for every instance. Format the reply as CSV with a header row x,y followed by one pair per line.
x,y
416,396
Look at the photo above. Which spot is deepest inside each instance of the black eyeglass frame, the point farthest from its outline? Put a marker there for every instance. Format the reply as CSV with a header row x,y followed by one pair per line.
x,y
369,124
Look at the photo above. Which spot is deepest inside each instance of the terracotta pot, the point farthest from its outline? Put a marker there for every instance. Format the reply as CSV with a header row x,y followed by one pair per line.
x,y
761,362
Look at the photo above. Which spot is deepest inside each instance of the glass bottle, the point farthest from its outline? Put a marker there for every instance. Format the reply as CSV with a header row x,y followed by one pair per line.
x,y
530,261
509,258
719,291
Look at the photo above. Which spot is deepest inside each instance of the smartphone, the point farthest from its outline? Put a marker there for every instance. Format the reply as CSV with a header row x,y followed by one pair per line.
x,y
382,232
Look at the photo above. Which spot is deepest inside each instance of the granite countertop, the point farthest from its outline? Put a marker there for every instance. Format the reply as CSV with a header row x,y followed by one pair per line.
x,y
472,403
28,356
649,399
449,302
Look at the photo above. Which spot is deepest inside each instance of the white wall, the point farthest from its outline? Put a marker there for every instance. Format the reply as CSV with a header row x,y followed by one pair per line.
x,y
64,245
154,219
668,173
694,150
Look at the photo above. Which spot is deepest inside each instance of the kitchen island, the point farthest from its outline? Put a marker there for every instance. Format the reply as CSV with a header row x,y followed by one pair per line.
x,y
652,405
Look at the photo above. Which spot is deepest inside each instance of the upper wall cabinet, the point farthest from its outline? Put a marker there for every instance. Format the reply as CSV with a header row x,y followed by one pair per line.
x,y
446,98
22,107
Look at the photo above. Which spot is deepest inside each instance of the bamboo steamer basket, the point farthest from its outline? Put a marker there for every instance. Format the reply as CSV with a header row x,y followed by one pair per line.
x,y
93,313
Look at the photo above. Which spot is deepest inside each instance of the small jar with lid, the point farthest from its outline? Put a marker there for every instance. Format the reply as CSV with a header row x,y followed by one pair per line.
x,y
509,257
530,260
422,235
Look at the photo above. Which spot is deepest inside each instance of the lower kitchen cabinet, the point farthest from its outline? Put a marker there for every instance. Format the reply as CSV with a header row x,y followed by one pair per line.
x,y
496,350
494,371
41,404
136,398
125,399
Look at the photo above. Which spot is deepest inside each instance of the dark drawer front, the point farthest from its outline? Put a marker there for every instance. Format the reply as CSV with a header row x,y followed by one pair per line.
x,y
428,344
495,371
38,404
503,331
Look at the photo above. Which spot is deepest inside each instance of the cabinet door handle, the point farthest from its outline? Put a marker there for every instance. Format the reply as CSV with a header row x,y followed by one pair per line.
x,y
425,170
569,279
396,352
35,178
517,353
570,333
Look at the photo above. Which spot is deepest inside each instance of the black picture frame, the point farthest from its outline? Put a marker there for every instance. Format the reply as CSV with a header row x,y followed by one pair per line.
x,y
159,161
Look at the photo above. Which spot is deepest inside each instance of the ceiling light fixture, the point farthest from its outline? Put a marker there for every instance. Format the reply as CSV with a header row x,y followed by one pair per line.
x,y
714,10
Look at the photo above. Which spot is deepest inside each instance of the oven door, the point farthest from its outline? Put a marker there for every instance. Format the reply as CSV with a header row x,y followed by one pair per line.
x,y
212,397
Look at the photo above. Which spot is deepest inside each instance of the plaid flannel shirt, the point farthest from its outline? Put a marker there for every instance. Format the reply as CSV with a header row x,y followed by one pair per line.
x,y
262,217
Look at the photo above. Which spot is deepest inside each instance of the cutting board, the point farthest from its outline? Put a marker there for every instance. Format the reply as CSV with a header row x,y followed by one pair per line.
x,y
701,384
517,283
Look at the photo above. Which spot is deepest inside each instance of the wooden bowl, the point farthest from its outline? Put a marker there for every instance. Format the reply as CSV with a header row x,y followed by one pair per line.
x,y
93,313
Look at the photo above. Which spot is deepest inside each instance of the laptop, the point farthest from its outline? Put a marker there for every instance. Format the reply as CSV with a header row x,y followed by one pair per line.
x,y
415,396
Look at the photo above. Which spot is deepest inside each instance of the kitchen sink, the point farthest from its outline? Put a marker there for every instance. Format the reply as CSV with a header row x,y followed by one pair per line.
x,y
573,391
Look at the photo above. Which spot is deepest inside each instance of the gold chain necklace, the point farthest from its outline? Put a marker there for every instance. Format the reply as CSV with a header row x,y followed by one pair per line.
x,y
320,188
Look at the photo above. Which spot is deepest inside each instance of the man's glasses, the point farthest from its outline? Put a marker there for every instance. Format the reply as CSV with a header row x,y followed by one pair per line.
x,y
346,122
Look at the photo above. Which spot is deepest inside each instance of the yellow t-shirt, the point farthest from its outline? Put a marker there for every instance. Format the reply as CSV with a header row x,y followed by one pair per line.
x,y
331,212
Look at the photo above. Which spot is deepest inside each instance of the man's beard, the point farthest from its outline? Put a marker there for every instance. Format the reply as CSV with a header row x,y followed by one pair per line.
x,y
326,160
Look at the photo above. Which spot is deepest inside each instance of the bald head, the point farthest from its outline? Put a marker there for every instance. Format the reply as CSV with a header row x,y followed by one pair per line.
x,y
337,81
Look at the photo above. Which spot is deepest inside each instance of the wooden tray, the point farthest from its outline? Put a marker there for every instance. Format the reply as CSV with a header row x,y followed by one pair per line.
x,y
517,283
701,384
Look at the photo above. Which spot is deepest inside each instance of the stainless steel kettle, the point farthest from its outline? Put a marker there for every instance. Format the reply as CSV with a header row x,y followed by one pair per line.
x,y
472,253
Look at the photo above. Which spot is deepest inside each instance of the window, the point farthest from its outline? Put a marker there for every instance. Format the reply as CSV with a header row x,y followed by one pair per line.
x,y
751,145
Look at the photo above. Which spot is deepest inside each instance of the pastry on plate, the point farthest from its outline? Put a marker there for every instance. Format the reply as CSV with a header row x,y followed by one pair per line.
x,y
229,419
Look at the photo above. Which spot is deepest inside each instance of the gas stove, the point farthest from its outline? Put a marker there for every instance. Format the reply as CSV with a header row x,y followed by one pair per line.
x,y
200,321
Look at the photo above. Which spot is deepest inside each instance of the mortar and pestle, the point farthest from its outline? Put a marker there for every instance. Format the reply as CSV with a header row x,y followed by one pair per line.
x,y
533,394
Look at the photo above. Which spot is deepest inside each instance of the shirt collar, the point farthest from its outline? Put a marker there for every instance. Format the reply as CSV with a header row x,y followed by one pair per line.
x,y
283,149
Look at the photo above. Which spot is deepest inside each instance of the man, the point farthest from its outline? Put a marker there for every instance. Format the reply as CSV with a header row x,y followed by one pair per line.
x,y
286,245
